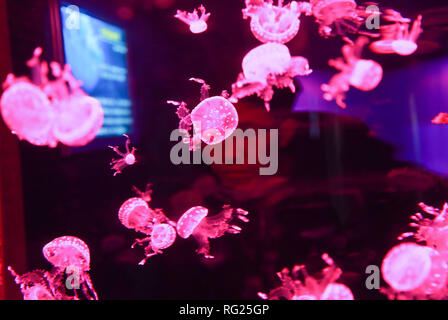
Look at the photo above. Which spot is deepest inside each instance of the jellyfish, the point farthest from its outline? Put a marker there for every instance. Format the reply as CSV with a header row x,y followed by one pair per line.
x,y
68,253
310,288
198,24
337,17
275,23
441,118
127,159
145,195
45,112
265,67
196,223
362,74
414,272
33,285
136,214
213,120
397,37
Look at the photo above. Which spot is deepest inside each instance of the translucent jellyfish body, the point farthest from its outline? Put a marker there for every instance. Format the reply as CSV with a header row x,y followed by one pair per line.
x,y
414,272
397,37
198,24
195,222
127,158
49,111
337,17
275,23
213,120
265,67
70,257
362,74
298,285
441,118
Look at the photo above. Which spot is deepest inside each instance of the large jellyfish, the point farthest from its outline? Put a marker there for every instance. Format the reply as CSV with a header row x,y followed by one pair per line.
x,y
213,120
46,111
414,272
265,67
197,24
195,222
397,37
275,23
310,288
362,74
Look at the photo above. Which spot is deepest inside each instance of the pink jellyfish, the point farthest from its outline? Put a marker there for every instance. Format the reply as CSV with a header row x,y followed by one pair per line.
x,y
310,288
441,118
127,159
414,272
69,253
397,37
265,67
195,222
362,74
33,285
197,24
135,214
145,195
213,120
275,23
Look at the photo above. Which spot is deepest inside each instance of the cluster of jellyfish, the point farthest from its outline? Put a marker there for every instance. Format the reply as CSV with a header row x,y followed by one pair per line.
x,y
161,232
418,269
44,111
67,280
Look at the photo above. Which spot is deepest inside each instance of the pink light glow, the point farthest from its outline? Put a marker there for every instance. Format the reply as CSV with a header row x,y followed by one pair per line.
x,y
198,24
49,111
310,288
362,74
195,222
397,38
127,158
275,23
213,120
441,118
265,67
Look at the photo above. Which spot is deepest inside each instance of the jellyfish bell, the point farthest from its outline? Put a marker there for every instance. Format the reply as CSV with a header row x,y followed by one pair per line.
x,y
404,47
78,120
198,26
163,236
330,10
411,267
28,113
135,214
190,220
366,75
68,251
337,291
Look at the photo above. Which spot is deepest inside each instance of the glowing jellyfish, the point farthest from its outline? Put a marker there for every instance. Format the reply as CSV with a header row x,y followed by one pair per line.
x,y
145,195
397,37
362,74
198,24
135,214
213,120
127,158
337,17
309,288
48,111
275,23
441,118
33,285
265,67
196,223
414,272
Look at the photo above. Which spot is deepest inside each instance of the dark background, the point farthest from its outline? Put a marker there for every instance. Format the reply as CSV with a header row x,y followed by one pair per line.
x,y
341,193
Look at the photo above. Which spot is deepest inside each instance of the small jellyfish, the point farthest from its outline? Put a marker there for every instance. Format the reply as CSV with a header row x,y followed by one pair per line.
x,y
213,120
362,74
265,67
310,288
414,272
127,159
195,222
397,37
70,253
441,118
275,23
33,285
198,24
145,195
